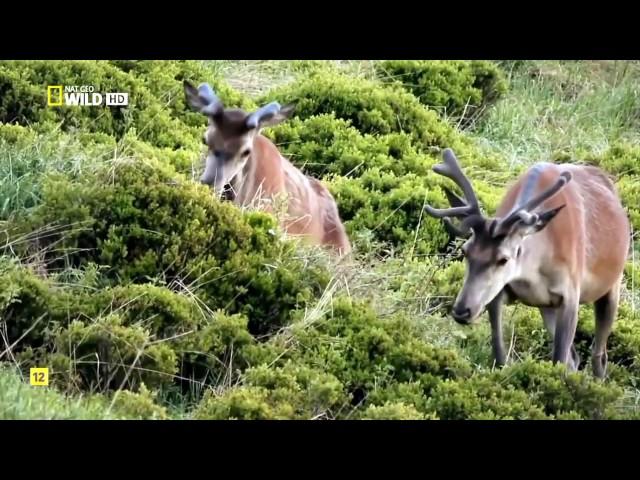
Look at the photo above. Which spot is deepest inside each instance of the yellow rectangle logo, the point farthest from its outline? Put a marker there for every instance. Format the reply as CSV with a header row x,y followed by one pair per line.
x,y
54,95
39,377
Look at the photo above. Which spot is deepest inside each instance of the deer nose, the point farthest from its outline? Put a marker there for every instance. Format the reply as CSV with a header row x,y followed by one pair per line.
x,y
461,315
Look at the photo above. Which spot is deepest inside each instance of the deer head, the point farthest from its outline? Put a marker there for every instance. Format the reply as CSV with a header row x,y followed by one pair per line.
x,y
230,134
494,247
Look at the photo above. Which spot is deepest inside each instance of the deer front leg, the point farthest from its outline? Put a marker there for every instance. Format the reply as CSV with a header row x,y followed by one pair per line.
x,y
495,318
550,315
565,330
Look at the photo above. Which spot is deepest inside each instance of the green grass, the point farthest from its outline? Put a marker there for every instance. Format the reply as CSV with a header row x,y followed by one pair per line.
x,y
256,77
21,401
557,106
22,167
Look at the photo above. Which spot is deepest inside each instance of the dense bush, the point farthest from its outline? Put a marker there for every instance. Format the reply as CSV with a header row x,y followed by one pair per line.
x,y
142,334
365,351
329,366
482,398
394,411
350,363
104,353
530,389
369,106
138,405
24,301
147,223
290,392
558,391
460,88
156,107
323,145
123,336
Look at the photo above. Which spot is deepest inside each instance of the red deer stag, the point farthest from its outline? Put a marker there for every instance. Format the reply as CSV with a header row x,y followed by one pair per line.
x,y
560,239
251,164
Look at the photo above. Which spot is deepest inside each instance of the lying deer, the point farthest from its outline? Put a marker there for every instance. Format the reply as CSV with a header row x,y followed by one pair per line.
x,y
560,239
239,155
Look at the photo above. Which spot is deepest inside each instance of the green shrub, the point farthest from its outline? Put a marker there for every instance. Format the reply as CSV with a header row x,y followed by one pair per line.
x,y
366,352
621,160
19,135
335,365
324,145
401,393
209,345
109,338
138,406
151,87
24,301
104,353
244,403
217,351
624,342
629,188
290,392
146,222
370,107
164,80
394,411
460,88
530,389
482,398
559,391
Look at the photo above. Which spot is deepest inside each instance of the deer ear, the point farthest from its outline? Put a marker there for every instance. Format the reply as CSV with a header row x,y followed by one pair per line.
x,y
546,217
192,96
541,221
203,99
283,114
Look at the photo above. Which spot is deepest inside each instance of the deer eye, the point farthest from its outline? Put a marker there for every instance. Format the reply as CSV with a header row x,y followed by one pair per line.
x,y
245,153
502,261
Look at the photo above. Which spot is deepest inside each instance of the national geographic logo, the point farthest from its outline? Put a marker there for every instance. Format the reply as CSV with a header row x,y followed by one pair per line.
x,y
83,96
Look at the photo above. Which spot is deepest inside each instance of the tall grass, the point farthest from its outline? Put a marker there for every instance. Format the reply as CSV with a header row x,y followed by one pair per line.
x,y
557,106
20,401
23,166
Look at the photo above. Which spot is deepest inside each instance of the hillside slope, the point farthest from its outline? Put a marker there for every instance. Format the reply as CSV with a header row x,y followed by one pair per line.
x,y
148,298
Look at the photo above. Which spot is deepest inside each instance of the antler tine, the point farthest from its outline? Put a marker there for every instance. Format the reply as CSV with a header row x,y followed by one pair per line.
x,y
565,177
262,113
456,231
526,217
451,169
523,213
447,212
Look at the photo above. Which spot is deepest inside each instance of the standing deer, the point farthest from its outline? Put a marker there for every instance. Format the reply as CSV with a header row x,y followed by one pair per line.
x,y
239,155
560,238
